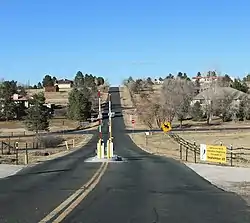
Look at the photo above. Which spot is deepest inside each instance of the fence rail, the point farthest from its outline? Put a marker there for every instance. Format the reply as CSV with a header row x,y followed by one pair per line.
x,y
234,155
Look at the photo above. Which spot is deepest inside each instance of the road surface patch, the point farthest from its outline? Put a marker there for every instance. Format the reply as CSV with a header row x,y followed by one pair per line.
x,y
61,211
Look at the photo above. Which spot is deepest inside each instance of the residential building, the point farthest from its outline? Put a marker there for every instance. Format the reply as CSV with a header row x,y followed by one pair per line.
x,y
157,81
64,84
19,99
219,93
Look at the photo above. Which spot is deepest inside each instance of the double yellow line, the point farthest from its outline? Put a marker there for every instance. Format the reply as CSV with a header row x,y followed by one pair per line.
x,y
75,199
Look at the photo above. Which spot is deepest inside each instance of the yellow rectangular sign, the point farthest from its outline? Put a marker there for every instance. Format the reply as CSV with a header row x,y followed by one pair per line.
x,y
216,154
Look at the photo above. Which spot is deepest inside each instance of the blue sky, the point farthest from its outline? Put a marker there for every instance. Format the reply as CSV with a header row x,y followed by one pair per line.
x,y
117,39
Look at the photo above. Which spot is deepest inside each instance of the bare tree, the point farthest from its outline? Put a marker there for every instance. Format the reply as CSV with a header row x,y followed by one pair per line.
x,y
224,105
209,98
176,95
145,111
244,108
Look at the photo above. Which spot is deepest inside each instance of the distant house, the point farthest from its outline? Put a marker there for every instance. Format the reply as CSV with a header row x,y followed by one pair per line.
x,y
158,81
19,99
51,88
64,84
219,93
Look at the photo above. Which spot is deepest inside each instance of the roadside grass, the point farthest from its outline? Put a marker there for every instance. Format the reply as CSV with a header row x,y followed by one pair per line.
x,y
161,144
74,141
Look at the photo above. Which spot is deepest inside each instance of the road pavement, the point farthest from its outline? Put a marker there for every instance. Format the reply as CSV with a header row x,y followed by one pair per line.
x,y
145,189
149,189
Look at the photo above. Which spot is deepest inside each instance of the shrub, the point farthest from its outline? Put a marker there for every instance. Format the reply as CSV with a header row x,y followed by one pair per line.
x,y
49,141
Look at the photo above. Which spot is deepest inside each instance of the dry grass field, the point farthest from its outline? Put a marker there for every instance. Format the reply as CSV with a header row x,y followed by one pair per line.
x,y
161,144
8,155
61,97
12,128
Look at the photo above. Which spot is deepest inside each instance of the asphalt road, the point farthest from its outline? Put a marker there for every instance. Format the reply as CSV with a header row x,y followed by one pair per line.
x,y
151,189
146,189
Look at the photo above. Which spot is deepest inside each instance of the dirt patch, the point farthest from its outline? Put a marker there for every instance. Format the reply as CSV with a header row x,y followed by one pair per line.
x,y
36,152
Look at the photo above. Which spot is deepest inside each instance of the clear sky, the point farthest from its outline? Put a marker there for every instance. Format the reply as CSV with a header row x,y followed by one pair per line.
x,y
116,39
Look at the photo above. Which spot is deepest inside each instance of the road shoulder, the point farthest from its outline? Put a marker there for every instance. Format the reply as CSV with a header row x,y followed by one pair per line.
x,y
231,179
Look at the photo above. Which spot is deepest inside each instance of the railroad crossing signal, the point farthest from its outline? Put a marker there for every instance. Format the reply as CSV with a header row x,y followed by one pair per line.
x,y
166,127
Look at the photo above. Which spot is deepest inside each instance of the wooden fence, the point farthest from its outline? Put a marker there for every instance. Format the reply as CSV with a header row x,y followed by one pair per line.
x,y
234,155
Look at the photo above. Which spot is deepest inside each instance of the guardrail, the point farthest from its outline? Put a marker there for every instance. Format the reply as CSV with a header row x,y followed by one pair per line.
x,y
234,155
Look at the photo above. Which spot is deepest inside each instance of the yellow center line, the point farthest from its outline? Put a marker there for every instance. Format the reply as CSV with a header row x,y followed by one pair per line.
x,y
93,180
76,202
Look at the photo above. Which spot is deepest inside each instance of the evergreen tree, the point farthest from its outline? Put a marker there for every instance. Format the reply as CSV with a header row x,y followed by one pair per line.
x,y
37,117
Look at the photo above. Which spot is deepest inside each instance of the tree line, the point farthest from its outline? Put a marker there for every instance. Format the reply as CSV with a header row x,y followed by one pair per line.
x,y
82,101
175,99
49,81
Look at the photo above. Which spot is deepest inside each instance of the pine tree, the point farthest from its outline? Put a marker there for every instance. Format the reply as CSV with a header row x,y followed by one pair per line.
x,y
79,106
37,117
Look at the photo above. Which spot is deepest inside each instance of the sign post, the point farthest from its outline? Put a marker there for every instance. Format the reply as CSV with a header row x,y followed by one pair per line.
x,y
133,123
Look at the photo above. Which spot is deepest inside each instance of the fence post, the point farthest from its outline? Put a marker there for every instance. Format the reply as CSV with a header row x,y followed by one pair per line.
x,y
195,152
66,144
180,152
146,139
186,153
231,155
9,146
16,147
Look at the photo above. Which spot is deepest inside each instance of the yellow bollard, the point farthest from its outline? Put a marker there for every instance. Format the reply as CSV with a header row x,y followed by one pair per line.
x,y
66,144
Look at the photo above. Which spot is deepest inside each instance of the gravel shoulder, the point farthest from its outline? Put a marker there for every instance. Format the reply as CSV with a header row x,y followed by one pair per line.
x,y
232,179
9,170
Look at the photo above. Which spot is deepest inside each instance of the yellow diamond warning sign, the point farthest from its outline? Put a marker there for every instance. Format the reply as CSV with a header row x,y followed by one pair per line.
x,y
166,126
